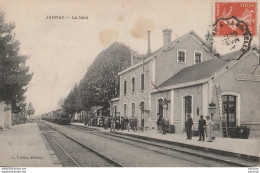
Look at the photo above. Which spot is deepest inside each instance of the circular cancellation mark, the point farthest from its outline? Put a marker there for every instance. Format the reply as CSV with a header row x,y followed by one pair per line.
x,y
231,34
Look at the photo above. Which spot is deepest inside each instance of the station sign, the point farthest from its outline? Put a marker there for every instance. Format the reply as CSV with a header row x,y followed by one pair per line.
x,y
248,77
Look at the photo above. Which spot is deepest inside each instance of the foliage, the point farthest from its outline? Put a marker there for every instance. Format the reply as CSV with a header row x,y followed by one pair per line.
x,y
73,102
101,81
14,76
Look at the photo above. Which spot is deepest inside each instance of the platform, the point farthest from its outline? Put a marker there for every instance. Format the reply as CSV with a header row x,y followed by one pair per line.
x,y
24,146
243,148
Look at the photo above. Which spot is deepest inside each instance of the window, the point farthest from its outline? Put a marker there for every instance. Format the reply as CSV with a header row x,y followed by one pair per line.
x,y
198,57
133,84
142,82
181,56
142,105
125,87
125,110
115,110
133,109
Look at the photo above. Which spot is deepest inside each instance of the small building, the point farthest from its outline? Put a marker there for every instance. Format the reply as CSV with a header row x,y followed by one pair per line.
x,y
114,103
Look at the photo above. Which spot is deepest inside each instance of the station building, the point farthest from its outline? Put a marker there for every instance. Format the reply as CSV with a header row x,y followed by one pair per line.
x,y
181,78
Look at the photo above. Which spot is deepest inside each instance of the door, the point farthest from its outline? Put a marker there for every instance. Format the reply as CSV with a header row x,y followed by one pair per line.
x,y
187,109
160,107
187,106
229,104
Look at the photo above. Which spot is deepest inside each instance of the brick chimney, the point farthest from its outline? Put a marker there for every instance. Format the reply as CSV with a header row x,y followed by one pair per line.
x,y
166,37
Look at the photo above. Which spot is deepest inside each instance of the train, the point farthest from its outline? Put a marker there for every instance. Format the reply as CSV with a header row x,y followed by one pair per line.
x,y
58,116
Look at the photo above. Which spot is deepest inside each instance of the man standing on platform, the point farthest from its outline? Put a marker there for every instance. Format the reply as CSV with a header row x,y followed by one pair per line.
x,y
201,128
189,124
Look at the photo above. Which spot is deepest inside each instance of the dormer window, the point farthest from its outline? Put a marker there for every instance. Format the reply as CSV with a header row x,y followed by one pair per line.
x,y
181,56
197,57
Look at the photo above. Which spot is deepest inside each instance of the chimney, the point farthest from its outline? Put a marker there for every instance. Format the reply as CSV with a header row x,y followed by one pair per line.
x,y
166,37
149,46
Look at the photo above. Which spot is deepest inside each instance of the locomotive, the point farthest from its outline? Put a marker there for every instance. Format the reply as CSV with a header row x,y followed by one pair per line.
x,y
59,116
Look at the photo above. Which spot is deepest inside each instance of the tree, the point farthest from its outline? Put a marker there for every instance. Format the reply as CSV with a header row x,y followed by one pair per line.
x,y
14,76
101,81
73,103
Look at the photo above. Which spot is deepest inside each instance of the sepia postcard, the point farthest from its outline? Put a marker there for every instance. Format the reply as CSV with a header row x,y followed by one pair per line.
x,y
128,83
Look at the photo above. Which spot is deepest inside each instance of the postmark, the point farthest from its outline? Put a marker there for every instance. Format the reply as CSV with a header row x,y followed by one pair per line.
x,y
234,27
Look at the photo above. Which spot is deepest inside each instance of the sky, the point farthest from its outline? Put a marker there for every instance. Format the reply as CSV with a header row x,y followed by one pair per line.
x,y
61,50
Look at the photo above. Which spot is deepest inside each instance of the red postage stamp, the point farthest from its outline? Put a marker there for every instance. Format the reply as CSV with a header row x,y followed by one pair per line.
x,y
230,15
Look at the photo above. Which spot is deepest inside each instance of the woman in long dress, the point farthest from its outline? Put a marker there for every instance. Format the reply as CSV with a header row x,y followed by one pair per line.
x,y
209,129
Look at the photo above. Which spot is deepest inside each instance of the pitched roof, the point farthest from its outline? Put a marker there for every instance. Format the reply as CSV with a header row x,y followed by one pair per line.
x,y
232,56
199,71
161,50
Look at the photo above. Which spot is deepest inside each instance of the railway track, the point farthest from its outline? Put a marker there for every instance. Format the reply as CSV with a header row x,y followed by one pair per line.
x,y
199,158
86,151
226,160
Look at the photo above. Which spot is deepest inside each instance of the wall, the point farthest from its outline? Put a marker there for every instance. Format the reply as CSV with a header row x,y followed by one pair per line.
x,y
5,116
137,96
197,102
2,105
166,64
178,106
248,91
154,108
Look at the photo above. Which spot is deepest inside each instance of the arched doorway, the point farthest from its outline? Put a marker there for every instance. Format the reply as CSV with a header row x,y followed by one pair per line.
x,y
229,109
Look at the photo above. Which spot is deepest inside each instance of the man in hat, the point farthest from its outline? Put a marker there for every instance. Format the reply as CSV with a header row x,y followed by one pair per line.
x,y
189,124
158,123
201,128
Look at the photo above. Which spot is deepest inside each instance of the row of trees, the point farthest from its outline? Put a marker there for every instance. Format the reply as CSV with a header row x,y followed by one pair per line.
x,y
101,81
14,74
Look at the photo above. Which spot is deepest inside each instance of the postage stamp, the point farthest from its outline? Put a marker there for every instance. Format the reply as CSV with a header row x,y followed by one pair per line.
x,y
235,25
230,15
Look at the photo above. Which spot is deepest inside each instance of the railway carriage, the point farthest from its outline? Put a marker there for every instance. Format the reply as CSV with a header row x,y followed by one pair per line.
x,y
59,116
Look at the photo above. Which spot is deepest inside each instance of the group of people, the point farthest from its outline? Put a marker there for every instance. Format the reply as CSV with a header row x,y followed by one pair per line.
x,y
204,127
94,121
162,124
114,123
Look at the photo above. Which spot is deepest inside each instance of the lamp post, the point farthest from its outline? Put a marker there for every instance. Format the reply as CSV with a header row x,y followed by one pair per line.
x,y
212,109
